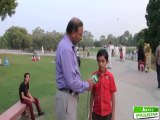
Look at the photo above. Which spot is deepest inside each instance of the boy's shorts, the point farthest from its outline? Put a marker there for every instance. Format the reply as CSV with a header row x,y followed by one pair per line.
x,y
99,117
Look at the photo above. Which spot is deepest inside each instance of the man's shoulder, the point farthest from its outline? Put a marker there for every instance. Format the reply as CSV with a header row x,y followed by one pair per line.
x,y
63,45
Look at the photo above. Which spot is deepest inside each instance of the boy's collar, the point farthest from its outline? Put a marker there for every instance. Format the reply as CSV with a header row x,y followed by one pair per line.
x,y
99,73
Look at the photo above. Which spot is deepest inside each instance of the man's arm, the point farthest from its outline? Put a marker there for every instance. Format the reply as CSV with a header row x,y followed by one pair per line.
x,y
71,76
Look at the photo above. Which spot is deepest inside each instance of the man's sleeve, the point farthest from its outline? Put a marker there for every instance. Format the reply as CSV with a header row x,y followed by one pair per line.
x,y
73,81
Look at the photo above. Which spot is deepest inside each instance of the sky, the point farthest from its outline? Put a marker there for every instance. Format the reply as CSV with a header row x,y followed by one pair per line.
x,y
100,17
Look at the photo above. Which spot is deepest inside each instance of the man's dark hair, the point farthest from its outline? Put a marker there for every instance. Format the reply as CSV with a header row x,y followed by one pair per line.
x,y
26,75
104,53
73,25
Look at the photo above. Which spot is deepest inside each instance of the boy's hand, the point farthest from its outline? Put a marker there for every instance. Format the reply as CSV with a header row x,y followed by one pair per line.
x,y
90,117
31,100
113,118
90,82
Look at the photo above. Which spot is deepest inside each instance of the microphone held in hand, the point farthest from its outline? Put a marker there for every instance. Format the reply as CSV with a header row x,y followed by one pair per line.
x,y
94,78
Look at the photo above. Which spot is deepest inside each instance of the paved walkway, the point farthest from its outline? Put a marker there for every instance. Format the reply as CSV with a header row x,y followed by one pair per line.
x,y
134,88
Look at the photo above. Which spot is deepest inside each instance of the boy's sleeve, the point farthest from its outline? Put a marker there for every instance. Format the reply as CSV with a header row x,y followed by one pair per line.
x,y
113,85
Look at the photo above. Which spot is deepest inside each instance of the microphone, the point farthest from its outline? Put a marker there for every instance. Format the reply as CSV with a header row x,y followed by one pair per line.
x,y
94,78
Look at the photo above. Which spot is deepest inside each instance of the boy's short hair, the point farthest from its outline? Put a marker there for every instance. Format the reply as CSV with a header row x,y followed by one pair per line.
x,y
25,74
104,53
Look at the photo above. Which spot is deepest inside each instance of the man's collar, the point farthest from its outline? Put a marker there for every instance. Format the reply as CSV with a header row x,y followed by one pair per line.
x,y
68,40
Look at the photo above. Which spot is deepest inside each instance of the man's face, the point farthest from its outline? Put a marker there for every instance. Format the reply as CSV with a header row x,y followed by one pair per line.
x,y
102,63
77,35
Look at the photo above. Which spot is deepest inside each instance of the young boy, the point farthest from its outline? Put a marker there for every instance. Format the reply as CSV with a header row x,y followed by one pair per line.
x,y
102,100
26,97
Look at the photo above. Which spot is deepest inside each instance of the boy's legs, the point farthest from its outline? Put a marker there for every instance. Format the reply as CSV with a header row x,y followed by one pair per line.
x,y
37,105
95,116
99,117
29,104
107,117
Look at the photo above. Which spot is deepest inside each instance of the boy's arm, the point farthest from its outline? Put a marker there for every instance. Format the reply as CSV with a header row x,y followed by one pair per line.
x,y
91,105
113,106
24,97
30,96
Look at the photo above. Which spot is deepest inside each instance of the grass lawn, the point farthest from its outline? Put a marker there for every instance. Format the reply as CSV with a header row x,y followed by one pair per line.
x,y
42,83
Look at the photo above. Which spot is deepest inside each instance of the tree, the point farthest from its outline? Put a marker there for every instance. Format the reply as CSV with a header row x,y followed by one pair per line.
x,y
37,38
153,23
97,44
3,43
87,39
18,38
139,38
111,38
126,38
7,8
49,40
102,40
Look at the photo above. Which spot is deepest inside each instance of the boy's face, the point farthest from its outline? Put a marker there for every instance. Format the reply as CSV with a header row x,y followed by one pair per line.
x,y
102,63
27,78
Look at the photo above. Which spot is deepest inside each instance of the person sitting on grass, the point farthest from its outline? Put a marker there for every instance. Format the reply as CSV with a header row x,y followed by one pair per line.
x,y
6,62
26,97
0,61
102,100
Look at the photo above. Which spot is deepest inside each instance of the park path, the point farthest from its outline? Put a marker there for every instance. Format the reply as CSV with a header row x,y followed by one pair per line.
x,y
134,88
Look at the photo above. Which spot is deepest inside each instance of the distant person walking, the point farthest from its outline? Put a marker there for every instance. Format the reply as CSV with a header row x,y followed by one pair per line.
x,y
110,47
124,51
158,64
141,56
68,79
121,55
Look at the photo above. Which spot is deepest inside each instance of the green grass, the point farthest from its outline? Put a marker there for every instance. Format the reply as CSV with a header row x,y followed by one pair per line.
x,y
42,83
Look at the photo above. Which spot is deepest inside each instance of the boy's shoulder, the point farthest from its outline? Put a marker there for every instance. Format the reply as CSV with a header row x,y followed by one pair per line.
x,y
95,72
108,73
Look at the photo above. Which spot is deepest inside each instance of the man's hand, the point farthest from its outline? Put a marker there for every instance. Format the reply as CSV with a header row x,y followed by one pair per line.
x,y
90,82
